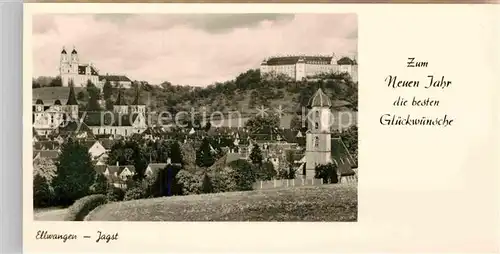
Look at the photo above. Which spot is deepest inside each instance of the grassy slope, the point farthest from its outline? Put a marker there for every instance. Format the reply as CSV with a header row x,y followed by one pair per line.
x,y
308,203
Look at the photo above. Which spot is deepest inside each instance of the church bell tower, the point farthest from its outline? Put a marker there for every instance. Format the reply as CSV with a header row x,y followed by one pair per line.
x,y
318,137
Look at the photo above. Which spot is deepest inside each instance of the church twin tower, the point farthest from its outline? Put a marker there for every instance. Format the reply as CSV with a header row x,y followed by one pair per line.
x,y
318,137
72,70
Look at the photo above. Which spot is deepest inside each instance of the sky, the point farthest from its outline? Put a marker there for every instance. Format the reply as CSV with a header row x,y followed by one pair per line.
x,y
186,49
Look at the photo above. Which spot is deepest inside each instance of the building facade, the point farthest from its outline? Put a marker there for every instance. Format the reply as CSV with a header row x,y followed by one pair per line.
x,y
47,118
302,67
125,120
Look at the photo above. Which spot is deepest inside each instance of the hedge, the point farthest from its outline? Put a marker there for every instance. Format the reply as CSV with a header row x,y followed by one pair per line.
x,y
83,206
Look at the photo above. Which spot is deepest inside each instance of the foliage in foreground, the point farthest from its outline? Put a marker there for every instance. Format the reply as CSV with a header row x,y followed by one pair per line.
x,y
312,203
83,206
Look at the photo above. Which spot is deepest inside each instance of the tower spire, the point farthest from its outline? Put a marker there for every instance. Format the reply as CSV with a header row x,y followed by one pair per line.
x,y
71,97
136,100
120,100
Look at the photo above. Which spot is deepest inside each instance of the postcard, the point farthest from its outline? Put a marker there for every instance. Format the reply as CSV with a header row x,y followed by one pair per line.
x,y
234,127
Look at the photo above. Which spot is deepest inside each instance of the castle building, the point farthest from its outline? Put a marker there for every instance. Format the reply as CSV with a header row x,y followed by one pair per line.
x,y
71,69
47,118
300,67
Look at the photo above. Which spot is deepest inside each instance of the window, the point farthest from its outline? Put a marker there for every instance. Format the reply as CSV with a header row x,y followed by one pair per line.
x,y
317,114
316,125
316,141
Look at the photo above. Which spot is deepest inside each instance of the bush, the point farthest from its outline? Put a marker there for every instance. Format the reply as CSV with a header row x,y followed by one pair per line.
x,y
140,189
244,175
265,172
223,180
83,206
115,194
327,172
134,193
190,183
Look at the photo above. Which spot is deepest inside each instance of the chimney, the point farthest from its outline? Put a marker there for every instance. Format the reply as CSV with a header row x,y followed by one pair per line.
x,y
117,163
169,161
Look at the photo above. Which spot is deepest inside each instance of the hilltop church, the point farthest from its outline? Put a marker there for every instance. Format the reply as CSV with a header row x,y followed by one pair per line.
x,y
72,69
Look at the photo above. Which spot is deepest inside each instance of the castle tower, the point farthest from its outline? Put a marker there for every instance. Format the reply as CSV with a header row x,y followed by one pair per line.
x,y
72,104
136,106
318,137
120,105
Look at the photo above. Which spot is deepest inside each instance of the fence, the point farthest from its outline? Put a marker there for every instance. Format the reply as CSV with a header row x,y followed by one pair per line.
x,y
289,183
286,183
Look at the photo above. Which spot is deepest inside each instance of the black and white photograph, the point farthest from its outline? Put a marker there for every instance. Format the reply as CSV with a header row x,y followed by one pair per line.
x,y
195,117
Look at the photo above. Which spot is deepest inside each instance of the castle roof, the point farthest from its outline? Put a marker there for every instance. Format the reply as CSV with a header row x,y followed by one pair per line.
x,y
63,51
115,78
290,60
39,102
74,51
72,97
57,102
120,101
320,99
115,119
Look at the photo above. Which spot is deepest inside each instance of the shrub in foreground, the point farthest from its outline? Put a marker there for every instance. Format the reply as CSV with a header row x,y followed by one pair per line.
x,y
83,206
115,194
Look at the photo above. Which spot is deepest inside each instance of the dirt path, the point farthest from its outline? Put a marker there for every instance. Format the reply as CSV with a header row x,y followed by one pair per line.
x,y
50,215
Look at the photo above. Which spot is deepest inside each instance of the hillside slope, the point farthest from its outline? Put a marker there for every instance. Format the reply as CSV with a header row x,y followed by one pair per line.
x,y
244,94
308,203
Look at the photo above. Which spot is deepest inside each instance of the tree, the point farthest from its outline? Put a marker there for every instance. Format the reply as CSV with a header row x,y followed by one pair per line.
x,y
327,172
100,185
35,84
204,156
207,186
265,172
80,96
297,124
109,104
45,168
42,194
75,173
263,124
57,82
175,152
93,93
243,174
208,125
107,90
256,155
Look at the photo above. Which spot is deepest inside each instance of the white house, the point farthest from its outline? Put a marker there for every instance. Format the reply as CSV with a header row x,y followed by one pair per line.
x,y
118,175
97,149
